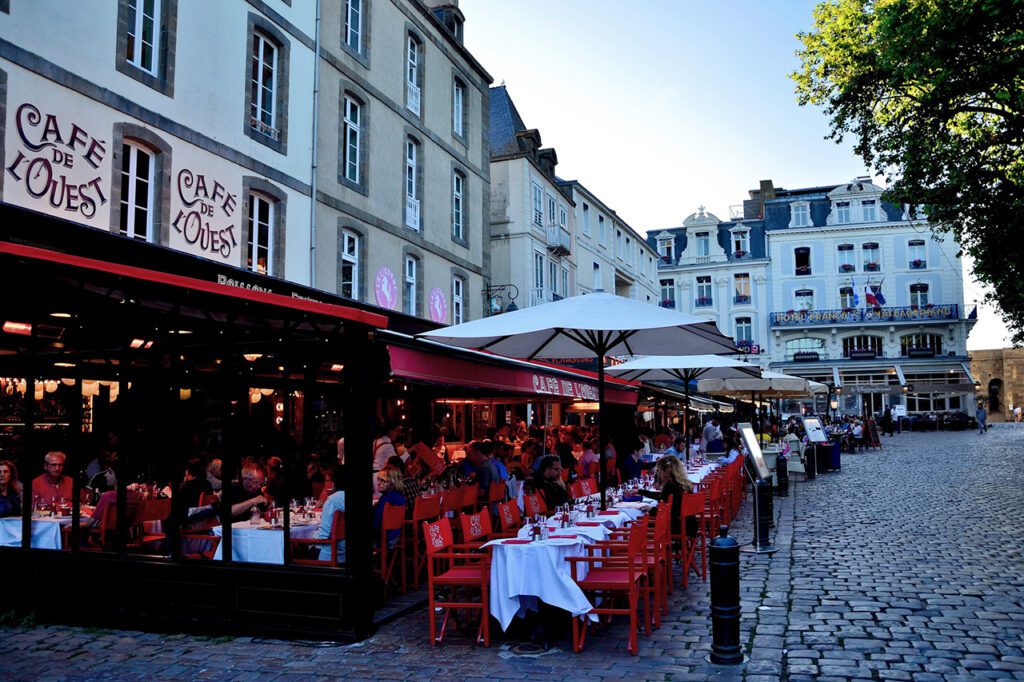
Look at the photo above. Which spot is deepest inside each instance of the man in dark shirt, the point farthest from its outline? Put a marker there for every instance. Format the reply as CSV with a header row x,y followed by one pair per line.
x,y
479,454
548,482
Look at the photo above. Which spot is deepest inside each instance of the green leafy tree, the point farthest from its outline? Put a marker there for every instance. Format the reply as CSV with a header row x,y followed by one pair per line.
x,y
932,91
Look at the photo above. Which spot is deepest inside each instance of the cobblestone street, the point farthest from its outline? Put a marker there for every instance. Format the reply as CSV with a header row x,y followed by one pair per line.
x,y
906,565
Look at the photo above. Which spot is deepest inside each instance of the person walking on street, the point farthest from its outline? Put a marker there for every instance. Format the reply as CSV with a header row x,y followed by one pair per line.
x,y
887,427
982,416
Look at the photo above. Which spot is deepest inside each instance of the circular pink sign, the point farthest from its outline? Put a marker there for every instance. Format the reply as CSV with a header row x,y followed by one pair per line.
x,y
385,288
438,305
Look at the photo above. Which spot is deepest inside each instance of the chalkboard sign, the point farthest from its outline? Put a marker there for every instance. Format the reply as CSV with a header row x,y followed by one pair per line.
x,y
812,427
754,450
872,434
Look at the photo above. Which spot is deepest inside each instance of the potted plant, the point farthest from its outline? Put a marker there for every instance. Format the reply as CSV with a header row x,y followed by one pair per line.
x,y
740,253
871,267
666,259
917,263
668,303
846,267
803,269
847,310
703,300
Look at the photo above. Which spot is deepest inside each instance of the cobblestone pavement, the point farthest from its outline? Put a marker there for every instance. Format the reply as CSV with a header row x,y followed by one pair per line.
x,y
905,566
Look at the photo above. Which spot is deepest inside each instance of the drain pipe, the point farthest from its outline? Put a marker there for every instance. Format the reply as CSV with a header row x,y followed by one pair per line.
x,y
315,150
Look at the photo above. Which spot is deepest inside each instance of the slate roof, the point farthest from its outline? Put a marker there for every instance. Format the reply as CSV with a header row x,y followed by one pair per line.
x,y
505,123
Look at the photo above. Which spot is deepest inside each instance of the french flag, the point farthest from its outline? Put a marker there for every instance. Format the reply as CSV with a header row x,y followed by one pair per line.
x,y
870,297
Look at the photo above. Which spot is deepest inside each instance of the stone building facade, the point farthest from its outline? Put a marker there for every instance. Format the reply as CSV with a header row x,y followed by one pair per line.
x,y
1000,376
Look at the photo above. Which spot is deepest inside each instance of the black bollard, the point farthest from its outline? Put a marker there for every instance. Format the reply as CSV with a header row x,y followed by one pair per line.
x,y
810,462
725,600
782,475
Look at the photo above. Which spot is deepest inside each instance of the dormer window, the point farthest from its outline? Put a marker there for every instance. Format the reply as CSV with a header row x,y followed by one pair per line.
x,y
801,215
703,244
869,210
741,243
842,212
665,248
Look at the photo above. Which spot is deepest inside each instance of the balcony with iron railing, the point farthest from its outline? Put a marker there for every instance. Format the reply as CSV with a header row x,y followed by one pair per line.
x,y
412,212
703,302
741,299
559,240
918,264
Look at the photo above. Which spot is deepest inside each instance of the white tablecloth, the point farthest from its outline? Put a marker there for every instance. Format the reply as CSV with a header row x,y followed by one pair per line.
x,y
258,545
45,532
522,574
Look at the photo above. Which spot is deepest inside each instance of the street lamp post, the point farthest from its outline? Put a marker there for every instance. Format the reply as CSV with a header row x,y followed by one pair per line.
x,y
493,299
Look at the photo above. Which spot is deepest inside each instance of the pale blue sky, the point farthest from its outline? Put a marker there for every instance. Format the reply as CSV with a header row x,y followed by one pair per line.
x,y
659,106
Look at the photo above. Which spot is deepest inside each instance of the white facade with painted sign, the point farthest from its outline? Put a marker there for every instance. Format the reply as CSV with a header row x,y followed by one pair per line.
x,y
183,124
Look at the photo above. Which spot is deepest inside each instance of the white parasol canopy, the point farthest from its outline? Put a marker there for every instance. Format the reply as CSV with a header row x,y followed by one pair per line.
x,y
771,384
589,324
685,368
597,324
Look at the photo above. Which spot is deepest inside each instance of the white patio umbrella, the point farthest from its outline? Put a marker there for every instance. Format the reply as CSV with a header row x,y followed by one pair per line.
x,y
685,368
599,325
771,384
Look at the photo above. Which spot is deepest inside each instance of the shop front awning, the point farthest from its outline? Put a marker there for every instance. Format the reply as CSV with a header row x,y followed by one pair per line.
x,y
436,363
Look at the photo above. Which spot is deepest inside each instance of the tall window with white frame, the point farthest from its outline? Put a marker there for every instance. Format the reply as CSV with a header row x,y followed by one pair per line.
x,y
602,230
144,34
919,295
260,249
411,286
842,212
538,279
458,186
354,25
458,107
352,139
263,86
916,254
349,265
741,282
744,330
668,293
597,277
741,243
704,297
538,205
844,257
869,210
458,286
553,281
412,74
801,215
565,282
137,181
703,244
412,202
586,219
802,258
804,299
551,210
872,257
846,299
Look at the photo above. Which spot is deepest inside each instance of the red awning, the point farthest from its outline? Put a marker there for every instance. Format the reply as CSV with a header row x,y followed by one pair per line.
x,y
434,367
180,281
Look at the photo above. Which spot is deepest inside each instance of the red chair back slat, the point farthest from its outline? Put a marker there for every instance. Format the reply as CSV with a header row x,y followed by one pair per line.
x,y
451,501
438,535
576,489
470,496
426,507
476,527
509,517
496,492
393,517
588,486
534,505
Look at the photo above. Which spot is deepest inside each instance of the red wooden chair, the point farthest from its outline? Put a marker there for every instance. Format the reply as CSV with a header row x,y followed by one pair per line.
x,y
337,535
623,574
149,511
576,490
202,545
443,571
425,508
693,506
588,486
394,556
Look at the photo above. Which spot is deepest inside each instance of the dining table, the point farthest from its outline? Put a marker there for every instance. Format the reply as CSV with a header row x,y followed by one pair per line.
x,y
46,531
262,543
525,572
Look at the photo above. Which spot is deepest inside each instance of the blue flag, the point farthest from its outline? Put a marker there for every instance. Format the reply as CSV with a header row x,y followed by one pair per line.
x,y
878,294
856,298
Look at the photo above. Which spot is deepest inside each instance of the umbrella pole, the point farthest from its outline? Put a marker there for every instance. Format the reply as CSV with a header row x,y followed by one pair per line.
x,y
686,418
602,430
